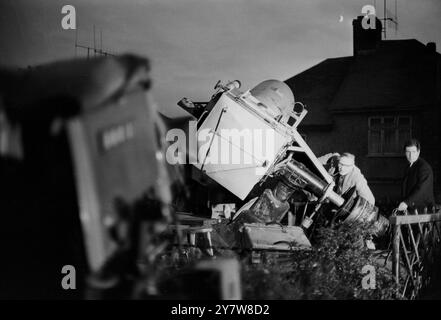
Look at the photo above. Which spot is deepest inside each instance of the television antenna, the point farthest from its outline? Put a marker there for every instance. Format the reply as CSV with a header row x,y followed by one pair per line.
x,y
389,18
95,50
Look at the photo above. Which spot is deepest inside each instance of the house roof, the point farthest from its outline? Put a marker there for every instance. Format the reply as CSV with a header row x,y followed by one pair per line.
x,y
316,88
399,74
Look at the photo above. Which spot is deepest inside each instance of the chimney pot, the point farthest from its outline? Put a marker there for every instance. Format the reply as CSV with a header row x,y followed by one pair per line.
x,y
431,46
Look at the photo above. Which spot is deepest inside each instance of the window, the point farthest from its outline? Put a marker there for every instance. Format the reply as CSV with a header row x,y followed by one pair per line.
x,y
388,134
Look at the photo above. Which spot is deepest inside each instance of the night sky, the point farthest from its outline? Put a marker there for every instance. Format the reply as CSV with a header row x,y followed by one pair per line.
x,y
194,43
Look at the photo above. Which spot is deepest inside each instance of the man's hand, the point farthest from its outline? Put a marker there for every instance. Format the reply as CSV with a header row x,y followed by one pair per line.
x,y
402,206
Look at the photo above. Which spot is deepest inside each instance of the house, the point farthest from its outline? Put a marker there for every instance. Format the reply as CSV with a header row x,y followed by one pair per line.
x,y
371,102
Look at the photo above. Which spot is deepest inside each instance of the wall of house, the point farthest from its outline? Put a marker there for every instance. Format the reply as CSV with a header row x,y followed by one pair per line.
x,y
429,129
384,174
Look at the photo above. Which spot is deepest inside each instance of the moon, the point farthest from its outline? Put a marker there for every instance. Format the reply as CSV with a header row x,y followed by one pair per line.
x,y
341,19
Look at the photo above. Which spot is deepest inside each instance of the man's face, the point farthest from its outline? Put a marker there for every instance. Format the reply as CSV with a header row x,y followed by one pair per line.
x,y
412,154
344,168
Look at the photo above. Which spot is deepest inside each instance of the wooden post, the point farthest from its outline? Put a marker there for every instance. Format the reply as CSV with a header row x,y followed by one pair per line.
x,y
192,239
291,218
396,253
210,244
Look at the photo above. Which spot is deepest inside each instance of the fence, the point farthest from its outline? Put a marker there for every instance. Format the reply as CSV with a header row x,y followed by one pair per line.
x,y
415,246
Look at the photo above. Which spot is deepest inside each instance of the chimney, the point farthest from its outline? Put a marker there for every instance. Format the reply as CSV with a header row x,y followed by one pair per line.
x,y
366,37
431,46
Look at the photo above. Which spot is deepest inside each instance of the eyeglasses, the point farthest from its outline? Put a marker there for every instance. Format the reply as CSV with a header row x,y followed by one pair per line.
x,y
345,165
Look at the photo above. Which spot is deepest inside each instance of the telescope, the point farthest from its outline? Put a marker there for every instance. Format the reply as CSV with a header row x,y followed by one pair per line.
x,y
245,137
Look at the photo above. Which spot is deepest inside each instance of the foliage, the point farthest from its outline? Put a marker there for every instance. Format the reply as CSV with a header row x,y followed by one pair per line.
x,y
331,270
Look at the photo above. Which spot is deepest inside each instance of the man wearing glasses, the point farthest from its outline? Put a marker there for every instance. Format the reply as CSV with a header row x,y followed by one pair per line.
x,y
349,176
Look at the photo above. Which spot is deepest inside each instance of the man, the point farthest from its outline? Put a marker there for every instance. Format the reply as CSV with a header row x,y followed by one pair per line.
x,y
417,187
330,162
349,176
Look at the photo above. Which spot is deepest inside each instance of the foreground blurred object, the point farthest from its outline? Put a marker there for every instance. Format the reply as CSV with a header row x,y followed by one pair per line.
x,y
116,156
87,83
42,183
218,279
124,191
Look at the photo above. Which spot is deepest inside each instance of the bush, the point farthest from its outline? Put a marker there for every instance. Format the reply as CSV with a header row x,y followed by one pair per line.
x,y
331,270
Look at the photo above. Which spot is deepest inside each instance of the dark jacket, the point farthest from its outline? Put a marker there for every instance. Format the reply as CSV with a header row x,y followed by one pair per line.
x,y
417,188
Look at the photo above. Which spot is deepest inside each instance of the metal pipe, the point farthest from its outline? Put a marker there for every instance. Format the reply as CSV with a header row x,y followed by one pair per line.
x,y
396,253
315,184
